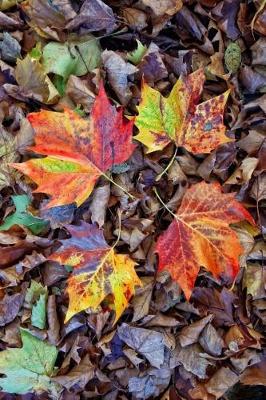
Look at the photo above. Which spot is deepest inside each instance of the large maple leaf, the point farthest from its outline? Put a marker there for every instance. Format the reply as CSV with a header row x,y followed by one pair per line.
x,y
97,271
198,128
200,235
78,151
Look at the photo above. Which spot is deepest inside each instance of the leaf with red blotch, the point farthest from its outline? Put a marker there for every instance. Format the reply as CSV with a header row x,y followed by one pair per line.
x,y
200,235
78,151
97,271
179,118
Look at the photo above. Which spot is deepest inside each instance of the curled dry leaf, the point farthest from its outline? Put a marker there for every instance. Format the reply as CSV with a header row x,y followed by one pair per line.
x,y
146,342
118,71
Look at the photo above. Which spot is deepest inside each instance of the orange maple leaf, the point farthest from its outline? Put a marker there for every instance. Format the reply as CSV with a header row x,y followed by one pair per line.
x,y
78,151
98,271
200,235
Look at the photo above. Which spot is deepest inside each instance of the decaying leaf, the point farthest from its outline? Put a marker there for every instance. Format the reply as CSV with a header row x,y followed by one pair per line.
x,y
78,151
146,342
198,128
95,15
200,235
97,271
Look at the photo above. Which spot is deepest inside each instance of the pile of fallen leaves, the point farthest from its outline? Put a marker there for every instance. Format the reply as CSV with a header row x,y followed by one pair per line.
x,y
133,193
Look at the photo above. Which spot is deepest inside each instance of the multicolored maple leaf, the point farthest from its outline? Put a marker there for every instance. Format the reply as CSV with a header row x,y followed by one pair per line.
x,y
97,271
200,236
78,151
178,118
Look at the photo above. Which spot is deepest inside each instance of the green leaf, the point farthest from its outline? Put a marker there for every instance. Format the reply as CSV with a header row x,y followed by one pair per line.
x,y
60,84
22,217
232,57
38,314
36,52
136,55
33,293
76,56
29,369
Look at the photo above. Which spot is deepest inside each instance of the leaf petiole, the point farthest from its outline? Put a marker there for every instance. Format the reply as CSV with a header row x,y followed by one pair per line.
x,y
162,202
117,185
167,167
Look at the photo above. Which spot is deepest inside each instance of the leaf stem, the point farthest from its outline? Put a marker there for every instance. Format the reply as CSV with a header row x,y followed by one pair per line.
x,y
119,214
167,167
117,185
162,202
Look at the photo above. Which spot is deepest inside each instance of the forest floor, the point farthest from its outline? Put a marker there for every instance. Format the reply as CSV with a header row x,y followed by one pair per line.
x,y
133,193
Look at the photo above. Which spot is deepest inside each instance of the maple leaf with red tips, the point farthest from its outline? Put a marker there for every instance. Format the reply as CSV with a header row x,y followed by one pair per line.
x,y
78,151
200,236
98,271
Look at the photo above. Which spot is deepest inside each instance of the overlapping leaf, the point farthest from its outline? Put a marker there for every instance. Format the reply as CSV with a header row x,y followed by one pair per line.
x,y
78,151
198,128
200,235
97,271
29,368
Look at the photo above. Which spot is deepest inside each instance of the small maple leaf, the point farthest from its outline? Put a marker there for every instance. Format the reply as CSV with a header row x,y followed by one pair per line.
x,y
178,118
200,235
78,151
97,271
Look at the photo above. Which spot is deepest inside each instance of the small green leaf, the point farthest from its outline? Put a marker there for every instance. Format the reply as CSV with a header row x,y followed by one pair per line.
x,y
60,84
80,111
136,55
29,369
232,57
38,314
35,299
22,217
76,56
33,293
36,52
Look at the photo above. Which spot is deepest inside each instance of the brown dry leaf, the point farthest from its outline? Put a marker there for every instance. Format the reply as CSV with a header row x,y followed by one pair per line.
x,y
193,360
118,71
190,334
211,341
244,172
142,298
9,307
150,383
161,7
147,342
94,15
79,92
78,376
47,20
221,381
255,375
98,206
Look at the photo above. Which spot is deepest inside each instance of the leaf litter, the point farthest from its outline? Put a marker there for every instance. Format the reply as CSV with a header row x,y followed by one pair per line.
x,y
133,190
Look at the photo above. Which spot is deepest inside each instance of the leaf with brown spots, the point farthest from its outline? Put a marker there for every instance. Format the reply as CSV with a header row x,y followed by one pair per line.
x,y
78,151
200,236
198,128
97,271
